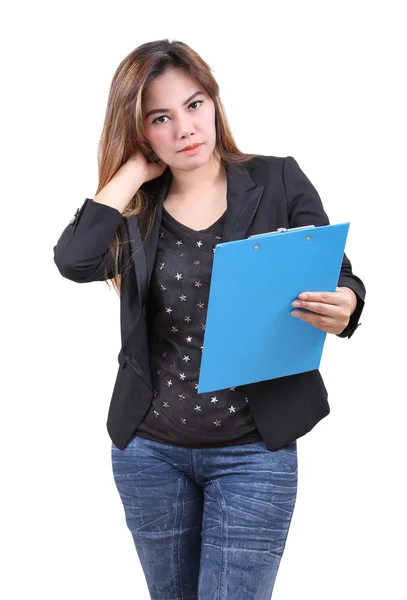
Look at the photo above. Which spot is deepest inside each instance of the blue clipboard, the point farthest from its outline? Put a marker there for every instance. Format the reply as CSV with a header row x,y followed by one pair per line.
x,y
250,334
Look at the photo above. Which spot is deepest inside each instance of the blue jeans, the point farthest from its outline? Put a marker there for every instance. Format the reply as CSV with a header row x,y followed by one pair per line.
x,y
207,524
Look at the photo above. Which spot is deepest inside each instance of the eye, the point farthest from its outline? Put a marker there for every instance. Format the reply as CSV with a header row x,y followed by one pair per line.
x,y
196,102
157,122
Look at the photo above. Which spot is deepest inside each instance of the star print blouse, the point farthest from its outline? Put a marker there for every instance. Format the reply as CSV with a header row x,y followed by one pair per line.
x,y
179,293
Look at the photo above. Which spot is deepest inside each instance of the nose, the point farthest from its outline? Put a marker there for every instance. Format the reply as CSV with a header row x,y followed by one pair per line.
x,y
184,126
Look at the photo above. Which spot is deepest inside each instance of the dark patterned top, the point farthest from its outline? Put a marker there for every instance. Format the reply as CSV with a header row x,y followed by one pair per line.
x,y
179,291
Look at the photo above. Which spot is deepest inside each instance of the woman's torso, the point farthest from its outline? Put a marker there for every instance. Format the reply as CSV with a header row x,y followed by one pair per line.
x,y
179,291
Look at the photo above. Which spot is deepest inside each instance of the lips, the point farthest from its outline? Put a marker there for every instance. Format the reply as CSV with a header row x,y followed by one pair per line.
x,y
190,147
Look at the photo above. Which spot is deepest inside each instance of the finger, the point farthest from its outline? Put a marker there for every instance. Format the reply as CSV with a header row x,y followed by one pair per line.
x,y
329,310
315,319
323,297
324,323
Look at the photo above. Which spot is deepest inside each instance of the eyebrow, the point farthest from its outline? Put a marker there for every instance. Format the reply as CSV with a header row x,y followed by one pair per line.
x,y
161,110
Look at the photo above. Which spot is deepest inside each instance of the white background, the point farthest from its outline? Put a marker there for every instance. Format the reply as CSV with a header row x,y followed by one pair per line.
x,y
319,81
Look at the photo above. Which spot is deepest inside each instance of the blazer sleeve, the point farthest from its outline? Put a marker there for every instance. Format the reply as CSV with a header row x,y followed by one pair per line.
x,y
305,208
82,251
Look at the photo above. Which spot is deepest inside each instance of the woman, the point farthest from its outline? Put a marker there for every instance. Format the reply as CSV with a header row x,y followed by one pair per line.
x,y
208,481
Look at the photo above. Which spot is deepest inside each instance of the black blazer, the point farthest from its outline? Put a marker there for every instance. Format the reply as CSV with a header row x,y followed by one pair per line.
x,y
263,194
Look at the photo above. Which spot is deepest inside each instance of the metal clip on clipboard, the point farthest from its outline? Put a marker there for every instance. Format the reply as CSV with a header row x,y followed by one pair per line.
x,y
282,230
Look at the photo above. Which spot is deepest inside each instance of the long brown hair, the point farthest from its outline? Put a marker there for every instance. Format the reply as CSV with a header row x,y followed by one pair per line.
x,y
122,133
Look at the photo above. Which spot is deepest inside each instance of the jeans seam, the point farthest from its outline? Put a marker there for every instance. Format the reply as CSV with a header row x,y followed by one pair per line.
x,y
223,538
176,539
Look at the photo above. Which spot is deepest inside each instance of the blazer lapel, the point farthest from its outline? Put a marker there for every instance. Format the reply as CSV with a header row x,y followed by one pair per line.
x,y
162,186
243,198
145,256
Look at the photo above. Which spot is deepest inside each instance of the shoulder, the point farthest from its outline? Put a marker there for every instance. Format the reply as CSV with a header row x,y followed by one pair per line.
x,y
262,167
262,163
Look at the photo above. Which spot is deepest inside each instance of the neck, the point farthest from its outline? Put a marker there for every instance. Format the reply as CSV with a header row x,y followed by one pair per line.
x,y
197,181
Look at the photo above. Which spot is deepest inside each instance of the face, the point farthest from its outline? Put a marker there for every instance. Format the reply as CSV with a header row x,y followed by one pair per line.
x,y
177,112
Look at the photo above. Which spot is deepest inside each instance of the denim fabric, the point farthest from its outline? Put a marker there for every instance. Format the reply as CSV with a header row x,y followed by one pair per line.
x,y
207,524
